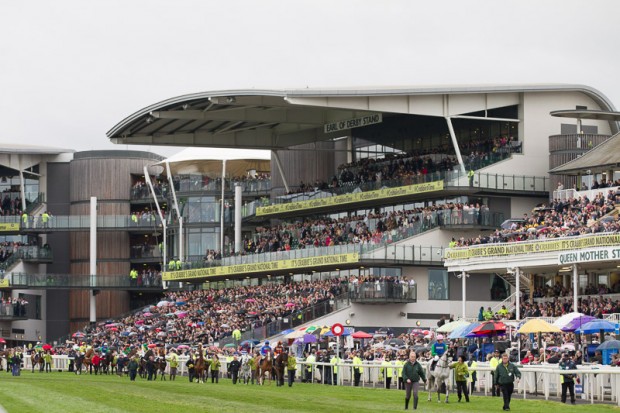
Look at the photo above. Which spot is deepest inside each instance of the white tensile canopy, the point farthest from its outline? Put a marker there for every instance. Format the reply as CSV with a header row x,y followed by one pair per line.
x,y
208,161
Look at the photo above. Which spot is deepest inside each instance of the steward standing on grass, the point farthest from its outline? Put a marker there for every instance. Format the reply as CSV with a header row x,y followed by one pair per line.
x,y
505,375
234,367
291,367
412,373
132,367
215,369
461,374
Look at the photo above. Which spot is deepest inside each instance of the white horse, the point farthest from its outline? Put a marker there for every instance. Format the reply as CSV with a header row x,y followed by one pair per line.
x,y
440,375
246,371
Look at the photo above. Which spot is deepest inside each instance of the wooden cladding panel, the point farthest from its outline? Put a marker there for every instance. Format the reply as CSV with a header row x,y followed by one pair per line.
x,y
103,178
110,245
103,208
110,304
306,164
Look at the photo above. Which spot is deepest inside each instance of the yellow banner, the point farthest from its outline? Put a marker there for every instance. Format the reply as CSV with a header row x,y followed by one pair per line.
x,y
350,198
231,270
4,283
572,243
9,226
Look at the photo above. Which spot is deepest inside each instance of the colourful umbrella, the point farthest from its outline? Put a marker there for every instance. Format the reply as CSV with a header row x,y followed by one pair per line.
x,y
489,328
537,325
361,334
450,327
152,345
289,305
577,322
596,326
46,347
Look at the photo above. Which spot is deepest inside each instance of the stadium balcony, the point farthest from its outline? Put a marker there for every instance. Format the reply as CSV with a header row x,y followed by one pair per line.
x,y
383,293
28,253
64,223
416,188
83,281
9,312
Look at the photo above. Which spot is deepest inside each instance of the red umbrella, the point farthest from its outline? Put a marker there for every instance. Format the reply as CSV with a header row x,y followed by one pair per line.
x,y
2,341
152,345
46,347
489,328
250,300
361,334
113,329
289,305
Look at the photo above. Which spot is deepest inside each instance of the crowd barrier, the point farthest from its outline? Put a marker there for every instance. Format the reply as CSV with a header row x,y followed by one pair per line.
x,y
600,384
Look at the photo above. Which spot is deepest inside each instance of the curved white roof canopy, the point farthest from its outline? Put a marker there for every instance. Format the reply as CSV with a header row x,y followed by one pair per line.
x,y
278,119
208,161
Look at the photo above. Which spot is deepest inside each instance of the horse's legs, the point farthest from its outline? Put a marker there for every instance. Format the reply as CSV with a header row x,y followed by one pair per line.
x,y
447,393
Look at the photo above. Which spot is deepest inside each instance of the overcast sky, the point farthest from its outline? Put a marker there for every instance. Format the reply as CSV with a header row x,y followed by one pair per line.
x,y
71,70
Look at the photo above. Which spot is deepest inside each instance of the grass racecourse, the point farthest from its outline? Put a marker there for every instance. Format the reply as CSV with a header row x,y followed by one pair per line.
x,y
65,392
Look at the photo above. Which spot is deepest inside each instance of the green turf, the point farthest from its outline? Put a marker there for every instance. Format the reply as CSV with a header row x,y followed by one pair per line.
x,y
65,392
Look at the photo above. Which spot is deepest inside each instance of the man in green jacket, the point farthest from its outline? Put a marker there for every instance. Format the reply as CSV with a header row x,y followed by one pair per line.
x,y
412,373
461,373
215,369
504,377
291,367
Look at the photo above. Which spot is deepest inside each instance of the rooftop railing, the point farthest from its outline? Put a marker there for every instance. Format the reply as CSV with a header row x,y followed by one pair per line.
x,y
46,281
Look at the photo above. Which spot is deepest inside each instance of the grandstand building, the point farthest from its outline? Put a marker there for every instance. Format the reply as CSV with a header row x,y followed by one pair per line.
x,y
416,167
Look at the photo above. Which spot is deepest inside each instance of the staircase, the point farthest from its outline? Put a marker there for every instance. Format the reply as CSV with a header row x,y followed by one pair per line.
x,y
524,281
508,302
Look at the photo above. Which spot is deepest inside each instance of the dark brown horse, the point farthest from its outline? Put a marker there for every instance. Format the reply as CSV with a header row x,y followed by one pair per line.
x,y
200,368
280,366
265,367
160,364
37,358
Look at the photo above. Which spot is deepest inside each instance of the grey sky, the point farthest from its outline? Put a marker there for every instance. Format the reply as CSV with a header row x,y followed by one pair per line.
x,y
70,70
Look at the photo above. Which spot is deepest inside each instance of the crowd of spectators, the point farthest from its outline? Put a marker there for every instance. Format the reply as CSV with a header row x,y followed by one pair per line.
x,y
207,316
559,219
13,306
600,185
414,166
11,203
595,306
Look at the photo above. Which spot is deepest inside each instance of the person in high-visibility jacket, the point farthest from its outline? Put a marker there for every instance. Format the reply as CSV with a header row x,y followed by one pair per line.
x,y
399,372
173,359
334,362
387,371
472,364
215,369
45,217
171,265
493,363
236,335
309,360
25,219
291,368
357,369
178,264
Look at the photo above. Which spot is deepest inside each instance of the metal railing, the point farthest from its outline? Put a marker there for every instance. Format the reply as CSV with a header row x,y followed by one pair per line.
x,y
295,319
68,222
12,310
567,194
383,292
27,253
81,281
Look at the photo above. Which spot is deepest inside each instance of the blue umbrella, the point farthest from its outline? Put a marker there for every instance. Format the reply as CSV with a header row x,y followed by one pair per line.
x,y
307,338
609,345
463,331
596,326
578,322
285,332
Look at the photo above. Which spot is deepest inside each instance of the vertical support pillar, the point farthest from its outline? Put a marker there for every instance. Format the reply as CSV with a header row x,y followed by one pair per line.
x,y
518,293
22,191
222,208
176,207
464,284
575,287
349,149
457,150
147,179
93,259
279,165
238,217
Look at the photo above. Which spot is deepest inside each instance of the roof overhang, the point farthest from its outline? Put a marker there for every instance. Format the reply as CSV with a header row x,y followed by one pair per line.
x,y
604,157
278,119
587,114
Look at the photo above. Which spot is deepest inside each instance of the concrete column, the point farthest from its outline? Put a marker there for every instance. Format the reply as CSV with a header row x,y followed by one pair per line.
x,y
238,217
464,287
575,287
518,293
93,259
457,150
21,189
222,208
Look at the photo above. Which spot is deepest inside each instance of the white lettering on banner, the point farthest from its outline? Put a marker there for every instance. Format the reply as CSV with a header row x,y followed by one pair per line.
x,y
589,255
353,123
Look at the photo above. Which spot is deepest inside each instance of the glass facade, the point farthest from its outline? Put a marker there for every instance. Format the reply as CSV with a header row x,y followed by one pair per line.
x,y
438,286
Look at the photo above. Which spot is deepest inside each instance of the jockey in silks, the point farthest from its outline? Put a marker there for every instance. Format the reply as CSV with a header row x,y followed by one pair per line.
x,y
278,350
437,350
265,349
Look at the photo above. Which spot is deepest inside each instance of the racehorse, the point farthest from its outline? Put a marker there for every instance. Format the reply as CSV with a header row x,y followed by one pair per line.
x,y
265,367
246,369
200,367
88,360
37,358
440,375
160,364
279,366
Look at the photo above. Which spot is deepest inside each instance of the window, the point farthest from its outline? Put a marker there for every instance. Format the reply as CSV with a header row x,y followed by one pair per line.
x,y
438,285
500,289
